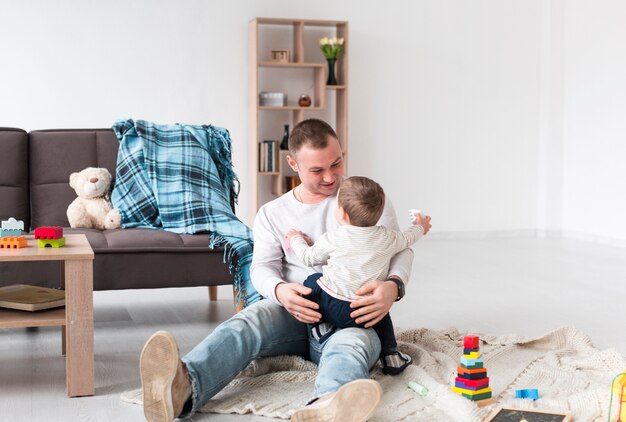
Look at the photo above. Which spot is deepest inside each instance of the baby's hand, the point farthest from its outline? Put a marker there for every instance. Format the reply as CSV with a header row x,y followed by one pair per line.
x,y
293,233
418,220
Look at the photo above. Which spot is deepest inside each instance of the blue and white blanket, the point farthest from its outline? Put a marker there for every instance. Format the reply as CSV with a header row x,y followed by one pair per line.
x,y
180,178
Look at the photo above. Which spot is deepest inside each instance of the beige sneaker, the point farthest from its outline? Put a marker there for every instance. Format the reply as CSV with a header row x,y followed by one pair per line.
x,y
353,402
164,379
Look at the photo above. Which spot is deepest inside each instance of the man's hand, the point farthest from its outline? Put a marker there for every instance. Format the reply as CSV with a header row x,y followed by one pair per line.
x,y
290,296
373,308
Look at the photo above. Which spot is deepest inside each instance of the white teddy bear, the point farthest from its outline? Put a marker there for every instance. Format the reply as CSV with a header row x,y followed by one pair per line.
x,y
92,209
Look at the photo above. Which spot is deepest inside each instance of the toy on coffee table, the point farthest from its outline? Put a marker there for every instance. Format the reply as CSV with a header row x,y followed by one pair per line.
x,y
49,236
11,227
11,234
472,381
13,242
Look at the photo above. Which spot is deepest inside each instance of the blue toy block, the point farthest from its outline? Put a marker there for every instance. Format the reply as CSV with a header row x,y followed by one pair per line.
x,y
527,393
477,365
10,232
471,362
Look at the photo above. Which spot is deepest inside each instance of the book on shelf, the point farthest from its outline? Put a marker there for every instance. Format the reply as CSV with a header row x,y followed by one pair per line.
x,y
268,156
25,297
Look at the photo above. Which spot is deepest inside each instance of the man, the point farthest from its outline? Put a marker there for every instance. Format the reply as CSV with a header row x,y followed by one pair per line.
x,y
278,325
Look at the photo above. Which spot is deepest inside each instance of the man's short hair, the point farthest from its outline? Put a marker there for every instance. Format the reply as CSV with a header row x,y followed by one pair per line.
x,y
363,200
312,132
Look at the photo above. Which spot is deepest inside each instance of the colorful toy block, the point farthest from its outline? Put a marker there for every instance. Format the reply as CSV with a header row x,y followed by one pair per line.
x,y
471,363
10,232
49,232
13,242
472,381
484,393
527,393
11,227
53,243
12,224
471,342
472,384
477,365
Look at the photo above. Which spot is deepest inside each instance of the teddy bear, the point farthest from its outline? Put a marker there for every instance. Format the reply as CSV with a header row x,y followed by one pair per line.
x,y
92,209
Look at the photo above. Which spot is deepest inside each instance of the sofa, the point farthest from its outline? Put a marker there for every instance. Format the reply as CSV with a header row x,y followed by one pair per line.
x,y
34,187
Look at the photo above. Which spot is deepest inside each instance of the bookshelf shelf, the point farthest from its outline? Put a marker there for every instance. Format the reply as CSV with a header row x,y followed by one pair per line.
x,y
292,65
290,108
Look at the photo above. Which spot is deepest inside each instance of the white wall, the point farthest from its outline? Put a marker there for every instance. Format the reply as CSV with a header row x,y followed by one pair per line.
x,y
594,203
454,105
445,110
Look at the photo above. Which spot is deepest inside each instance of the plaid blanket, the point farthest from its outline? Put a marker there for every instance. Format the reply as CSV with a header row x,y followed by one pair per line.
x,y
180,178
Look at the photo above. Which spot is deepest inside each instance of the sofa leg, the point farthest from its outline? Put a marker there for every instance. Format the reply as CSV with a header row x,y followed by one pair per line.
x,y
212,293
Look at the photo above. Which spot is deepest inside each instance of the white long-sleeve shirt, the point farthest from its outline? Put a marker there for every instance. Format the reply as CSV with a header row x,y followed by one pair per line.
x,y
351,256
274,263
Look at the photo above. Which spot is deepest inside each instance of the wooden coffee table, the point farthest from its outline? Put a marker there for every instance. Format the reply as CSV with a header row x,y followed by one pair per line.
x,y
76,318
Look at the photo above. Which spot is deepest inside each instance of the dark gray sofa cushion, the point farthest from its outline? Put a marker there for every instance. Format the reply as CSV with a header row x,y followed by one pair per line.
x,y
54,155
14,200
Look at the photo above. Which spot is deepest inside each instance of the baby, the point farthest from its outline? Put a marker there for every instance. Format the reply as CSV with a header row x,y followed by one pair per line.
x,y
357,252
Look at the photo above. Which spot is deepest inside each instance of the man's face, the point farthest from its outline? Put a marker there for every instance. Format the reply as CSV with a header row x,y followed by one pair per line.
x,y
320,170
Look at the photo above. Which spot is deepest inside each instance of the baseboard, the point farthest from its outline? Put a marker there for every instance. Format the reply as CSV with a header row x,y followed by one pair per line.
x,y
604,240
489,234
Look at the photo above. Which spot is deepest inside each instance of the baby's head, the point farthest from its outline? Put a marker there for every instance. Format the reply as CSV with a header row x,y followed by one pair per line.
x,y
362,199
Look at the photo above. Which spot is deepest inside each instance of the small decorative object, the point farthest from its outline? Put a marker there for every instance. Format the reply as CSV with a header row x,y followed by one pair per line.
x,y
280,56
284,144
291,182
304,101
273,99
332,49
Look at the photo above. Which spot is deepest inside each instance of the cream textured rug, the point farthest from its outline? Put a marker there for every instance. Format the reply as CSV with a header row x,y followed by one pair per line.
x,y
570,374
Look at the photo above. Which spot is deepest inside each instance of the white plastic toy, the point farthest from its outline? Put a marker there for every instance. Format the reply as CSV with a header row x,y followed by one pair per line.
x,y
13,224
413,213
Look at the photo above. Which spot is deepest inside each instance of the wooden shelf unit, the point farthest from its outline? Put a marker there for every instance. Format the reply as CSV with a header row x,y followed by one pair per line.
x,y
301,37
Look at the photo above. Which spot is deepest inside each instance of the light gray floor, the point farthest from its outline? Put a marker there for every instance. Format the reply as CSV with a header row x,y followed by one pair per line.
x,y
525,285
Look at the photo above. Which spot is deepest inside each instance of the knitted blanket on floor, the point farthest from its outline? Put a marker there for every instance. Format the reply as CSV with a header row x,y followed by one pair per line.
x,y
570,374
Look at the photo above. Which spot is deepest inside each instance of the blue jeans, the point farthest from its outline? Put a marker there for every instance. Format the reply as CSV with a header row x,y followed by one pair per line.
x,y
265,329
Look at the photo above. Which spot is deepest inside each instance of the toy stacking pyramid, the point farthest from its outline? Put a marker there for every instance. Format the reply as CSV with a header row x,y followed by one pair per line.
x,y
472,381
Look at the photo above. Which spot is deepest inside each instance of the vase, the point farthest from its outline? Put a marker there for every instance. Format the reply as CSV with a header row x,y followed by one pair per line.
x,y
284,144
331,72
